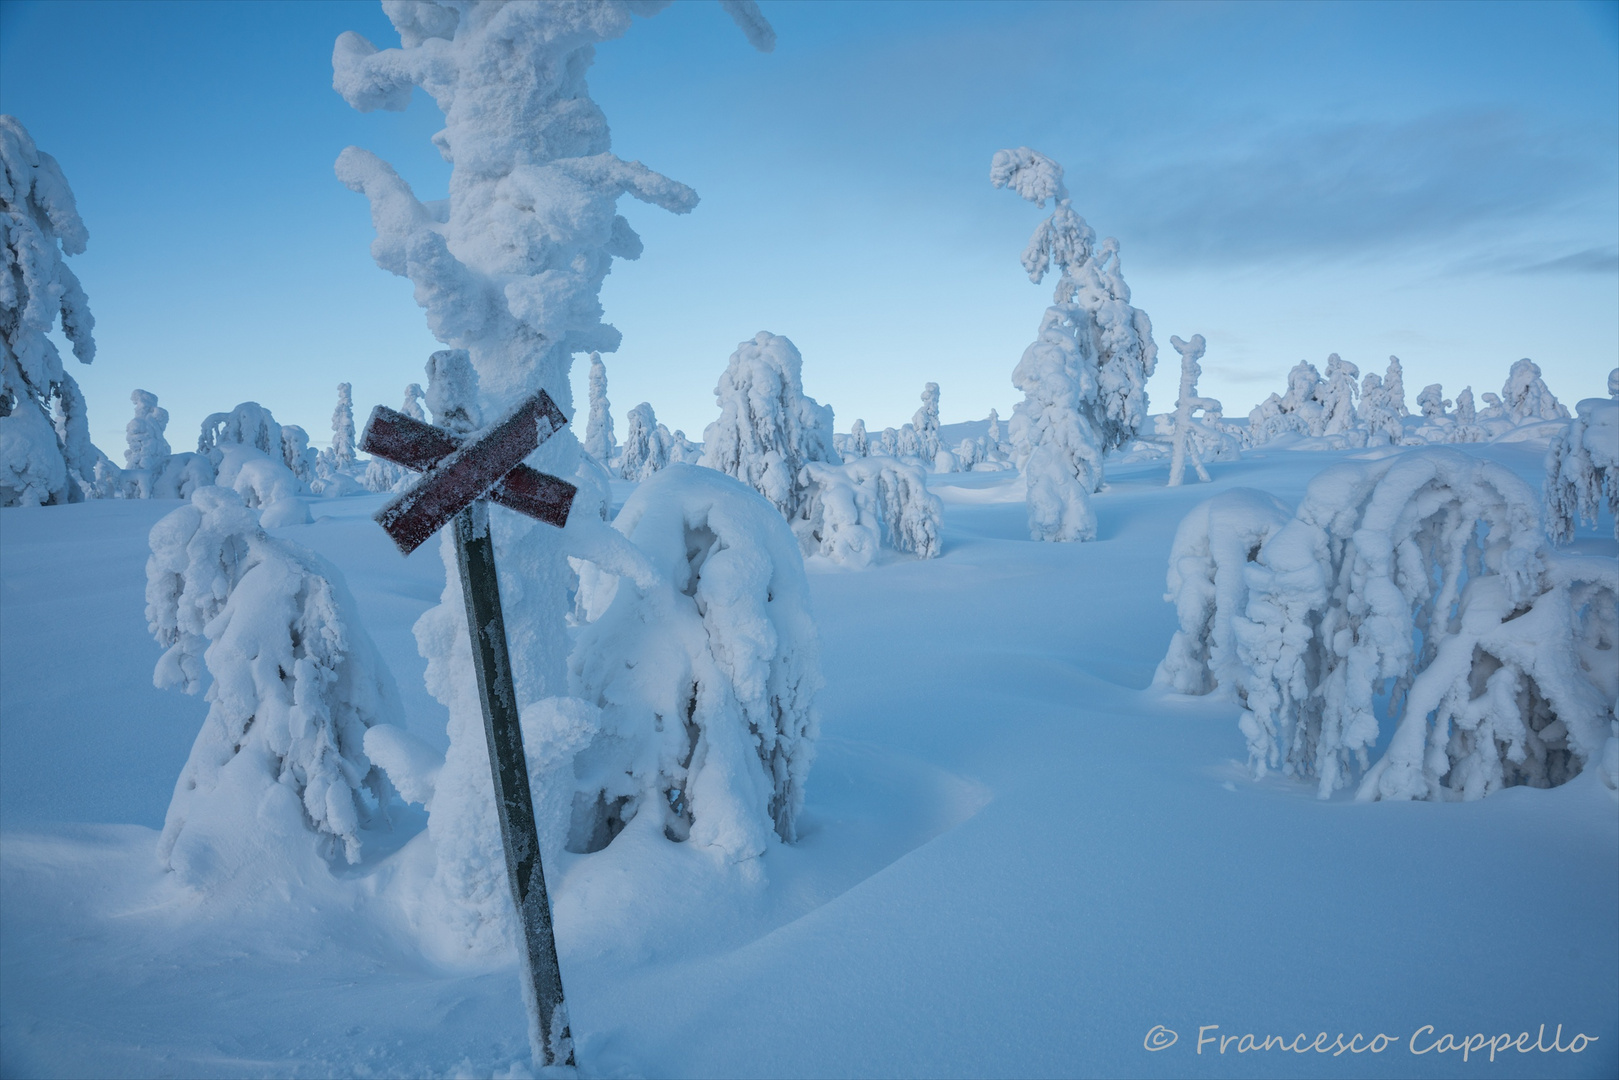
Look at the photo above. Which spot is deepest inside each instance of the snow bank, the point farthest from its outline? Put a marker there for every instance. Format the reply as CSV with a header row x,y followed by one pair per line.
x,y
295,684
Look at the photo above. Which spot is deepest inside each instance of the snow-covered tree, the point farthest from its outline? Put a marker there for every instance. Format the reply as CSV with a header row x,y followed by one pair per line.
x,y
343,429
1126,353
1188,426
1336,394
1419,586
682,448
509,269
1056,428
704,662
646,444
45,452
1298,411
1524,396
412,406
859,442
1377,412
293,683
1433,402
248,451
768,427
907,443
1582,469
1394,387
993,434
889,441
1208,563
1613,384
599,441
146,451
865,504
382,474
926,423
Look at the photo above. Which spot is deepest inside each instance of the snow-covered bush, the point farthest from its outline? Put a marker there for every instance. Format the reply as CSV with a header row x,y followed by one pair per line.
x,y
1582,469
1298,411
45,452
867,503
1420,586
926,424
1057,427
646,444
1525,397
705,671
599,441
768,429
1189,427
1208,563
295,683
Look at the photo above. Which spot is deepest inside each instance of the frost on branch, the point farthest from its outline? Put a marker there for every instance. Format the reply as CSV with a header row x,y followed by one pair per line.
x,y
1582,470
768,429
45,452
1418,587
865,504
704,663
295,684
1214,547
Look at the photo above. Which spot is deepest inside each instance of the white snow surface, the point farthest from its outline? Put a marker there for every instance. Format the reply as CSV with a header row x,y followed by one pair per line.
x,y
1015,856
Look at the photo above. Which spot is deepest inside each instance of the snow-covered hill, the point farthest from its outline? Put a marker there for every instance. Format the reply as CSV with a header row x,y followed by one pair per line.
x,y
1016,858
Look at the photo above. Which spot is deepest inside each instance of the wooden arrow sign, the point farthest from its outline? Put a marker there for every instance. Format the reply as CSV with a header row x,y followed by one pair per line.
x,y
460,472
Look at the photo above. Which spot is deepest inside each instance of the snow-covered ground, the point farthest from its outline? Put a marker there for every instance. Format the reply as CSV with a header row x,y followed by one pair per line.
x,y
1016,858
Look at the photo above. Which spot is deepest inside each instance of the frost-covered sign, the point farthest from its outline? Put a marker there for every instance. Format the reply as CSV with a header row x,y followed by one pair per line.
x,y
461,474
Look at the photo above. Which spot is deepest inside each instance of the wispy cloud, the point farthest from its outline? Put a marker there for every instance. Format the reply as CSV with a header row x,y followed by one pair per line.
x,y
1595,260
1341,188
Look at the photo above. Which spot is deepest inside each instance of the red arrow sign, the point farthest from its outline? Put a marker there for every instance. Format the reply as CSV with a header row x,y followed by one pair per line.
x,y
461,470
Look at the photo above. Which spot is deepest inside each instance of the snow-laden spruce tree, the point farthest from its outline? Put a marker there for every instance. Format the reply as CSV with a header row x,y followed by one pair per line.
x,y
768,429
1214,546
1419,587
1394,387
1298,411
509,269
865,504
1056,428
599,441
1336,393
701,654
1188,426
293,683
1433,402
646,444
926,424
249,454
1126,353
1467,429
1377,412
343,429
859,441
45,452
1525,396
1582,469
146,451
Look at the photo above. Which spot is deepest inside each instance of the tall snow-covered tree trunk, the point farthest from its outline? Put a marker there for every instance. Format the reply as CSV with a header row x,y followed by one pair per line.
x,y
45,452
1186,406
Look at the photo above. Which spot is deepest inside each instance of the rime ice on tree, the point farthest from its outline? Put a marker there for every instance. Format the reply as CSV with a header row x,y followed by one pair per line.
x,y
1188,426
646,444
768,427
45,452
1057,426
599,441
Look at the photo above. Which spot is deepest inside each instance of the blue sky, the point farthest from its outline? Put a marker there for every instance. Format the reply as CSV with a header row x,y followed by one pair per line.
x,y
1437,181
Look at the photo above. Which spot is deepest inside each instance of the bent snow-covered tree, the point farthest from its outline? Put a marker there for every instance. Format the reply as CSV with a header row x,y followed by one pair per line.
x,y
768,429
1056,428
1417,586
45,452
295,683
703,659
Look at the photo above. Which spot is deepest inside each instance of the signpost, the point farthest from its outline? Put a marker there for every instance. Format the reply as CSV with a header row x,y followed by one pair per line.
x,y
460,474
